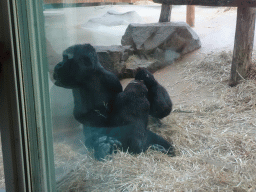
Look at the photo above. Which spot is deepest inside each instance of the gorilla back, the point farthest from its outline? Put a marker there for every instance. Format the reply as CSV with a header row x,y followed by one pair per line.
x,y
93,86
160,102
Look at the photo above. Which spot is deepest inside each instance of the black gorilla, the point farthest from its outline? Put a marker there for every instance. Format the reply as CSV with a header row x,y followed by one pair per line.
x,y
93,86
160,102
93,89
111,118
130,112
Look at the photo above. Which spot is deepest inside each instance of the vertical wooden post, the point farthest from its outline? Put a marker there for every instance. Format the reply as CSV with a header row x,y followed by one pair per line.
x,y
165,15
190,18
243,46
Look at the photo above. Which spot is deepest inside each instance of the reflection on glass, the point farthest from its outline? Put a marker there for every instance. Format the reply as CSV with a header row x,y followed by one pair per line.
x,y
79,115
2,179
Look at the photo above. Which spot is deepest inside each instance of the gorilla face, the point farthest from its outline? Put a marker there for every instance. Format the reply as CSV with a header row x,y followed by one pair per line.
x,y
64,73
79,62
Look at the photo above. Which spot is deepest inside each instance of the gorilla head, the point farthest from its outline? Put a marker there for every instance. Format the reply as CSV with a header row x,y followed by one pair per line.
x,y
79,61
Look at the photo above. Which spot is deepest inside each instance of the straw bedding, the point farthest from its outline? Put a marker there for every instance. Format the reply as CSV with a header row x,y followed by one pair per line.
x,y
215,142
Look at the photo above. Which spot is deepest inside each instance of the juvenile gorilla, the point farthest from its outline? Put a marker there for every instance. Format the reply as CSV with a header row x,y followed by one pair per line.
x,y
93,89
160,102
130,114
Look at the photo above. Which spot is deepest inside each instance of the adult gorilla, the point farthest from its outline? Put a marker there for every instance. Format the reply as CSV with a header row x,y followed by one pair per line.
x,y
93,89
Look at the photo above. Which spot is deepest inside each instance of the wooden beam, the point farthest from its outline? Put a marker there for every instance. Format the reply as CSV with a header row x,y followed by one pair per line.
x,y
190,18
225,3
165,15
243,46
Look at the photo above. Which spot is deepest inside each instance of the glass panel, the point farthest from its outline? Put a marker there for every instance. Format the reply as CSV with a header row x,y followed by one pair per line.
x,y
3,56
80,117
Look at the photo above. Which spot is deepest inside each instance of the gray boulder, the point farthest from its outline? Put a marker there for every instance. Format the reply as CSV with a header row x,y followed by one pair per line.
x,y
174,36
167,55
145,61
153,62
152,46
113,57
122,61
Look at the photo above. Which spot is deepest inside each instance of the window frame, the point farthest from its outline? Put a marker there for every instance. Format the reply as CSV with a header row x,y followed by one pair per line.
x,y
26,129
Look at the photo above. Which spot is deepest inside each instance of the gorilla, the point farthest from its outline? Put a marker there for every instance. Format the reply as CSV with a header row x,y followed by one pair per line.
x,y
129,113
160,102
93,86
93,89
111,118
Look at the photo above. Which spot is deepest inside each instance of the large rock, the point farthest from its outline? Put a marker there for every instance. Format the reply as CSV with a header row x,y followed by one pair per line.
x,y
145,61
174,36
152,46
122,61
113,57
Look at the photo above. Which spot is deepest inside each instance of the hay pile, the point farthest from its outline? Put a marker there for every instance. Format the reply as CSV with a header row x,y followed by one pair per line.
x,y
215,142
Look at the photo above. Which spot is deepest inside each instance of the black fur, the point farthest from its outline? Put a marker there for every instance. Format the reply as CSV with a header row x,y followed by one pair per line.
x,y
111,118
130,115
160,102
93,86
93,89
